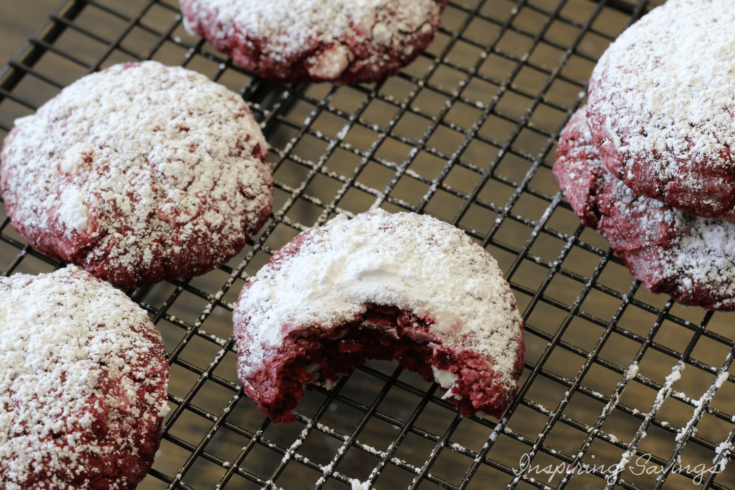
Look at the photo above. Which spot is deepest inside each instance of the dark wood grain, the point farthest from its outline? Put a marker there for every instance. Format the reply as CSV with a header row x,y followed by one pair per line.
x,y
18,21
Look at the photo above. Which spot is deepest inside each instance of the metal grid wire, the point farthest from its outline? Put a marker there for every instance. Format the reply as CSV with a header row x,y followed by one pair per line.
x,y
466,133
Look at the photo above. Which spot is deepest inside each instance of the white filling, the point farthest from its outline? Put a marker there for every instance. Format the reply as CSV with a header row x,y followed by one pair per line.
x,y
165,410
381,33
331,62
445,322
446,380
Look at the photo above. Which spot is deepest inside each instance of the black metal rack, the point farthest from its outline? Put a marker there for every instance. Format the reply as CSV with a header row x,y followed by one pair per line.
x,y
467,133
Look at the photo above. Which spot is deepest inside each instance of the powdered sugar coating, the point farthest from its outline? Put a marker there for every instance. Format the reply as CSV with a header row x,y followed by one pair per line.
x,y
688,257
346,41
661,106
83,380
414,262
138,173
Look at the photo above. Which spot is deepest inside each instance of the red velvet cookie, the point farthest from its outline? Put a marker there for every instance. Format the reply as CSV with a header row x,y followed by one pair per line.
x,y
380,286
139,173
342,41
83,379
661,107
688,257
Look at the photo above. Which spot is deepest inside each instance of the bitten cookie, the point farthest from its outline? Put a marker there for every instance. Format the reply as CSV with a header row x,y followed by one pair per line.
x,y
380,286
83,380
661,107
690,258
139,173
343,41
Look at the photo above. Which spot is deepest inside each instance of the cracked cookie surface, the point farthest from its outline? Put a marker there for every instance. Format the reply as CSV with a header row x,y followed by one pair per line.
x,y
138,173
343,41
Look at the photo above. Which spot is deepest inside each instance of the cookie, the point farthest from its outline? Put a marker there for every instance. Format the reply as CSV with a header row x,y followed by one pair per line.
x,y
690,258
661,107
342,41
380,286
83,380
139,173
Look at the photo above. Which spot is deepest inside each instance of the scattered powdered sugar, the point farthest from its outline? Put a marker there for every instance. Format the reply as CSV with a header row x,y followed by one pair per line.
x,y
446,379
632,371
414,262
287,29
724,452
358,485
77,359
691,258
665,391
721,379
133,166
666,92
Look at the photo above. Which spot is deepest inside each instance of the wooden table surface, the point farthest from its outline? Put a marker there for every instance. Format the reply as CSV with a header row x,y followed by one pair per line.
x,y
18,21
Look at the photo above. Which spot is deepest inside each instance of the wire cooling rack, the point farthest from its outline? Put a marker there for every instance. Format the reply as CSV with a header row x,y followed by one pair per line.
x,y
621,388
